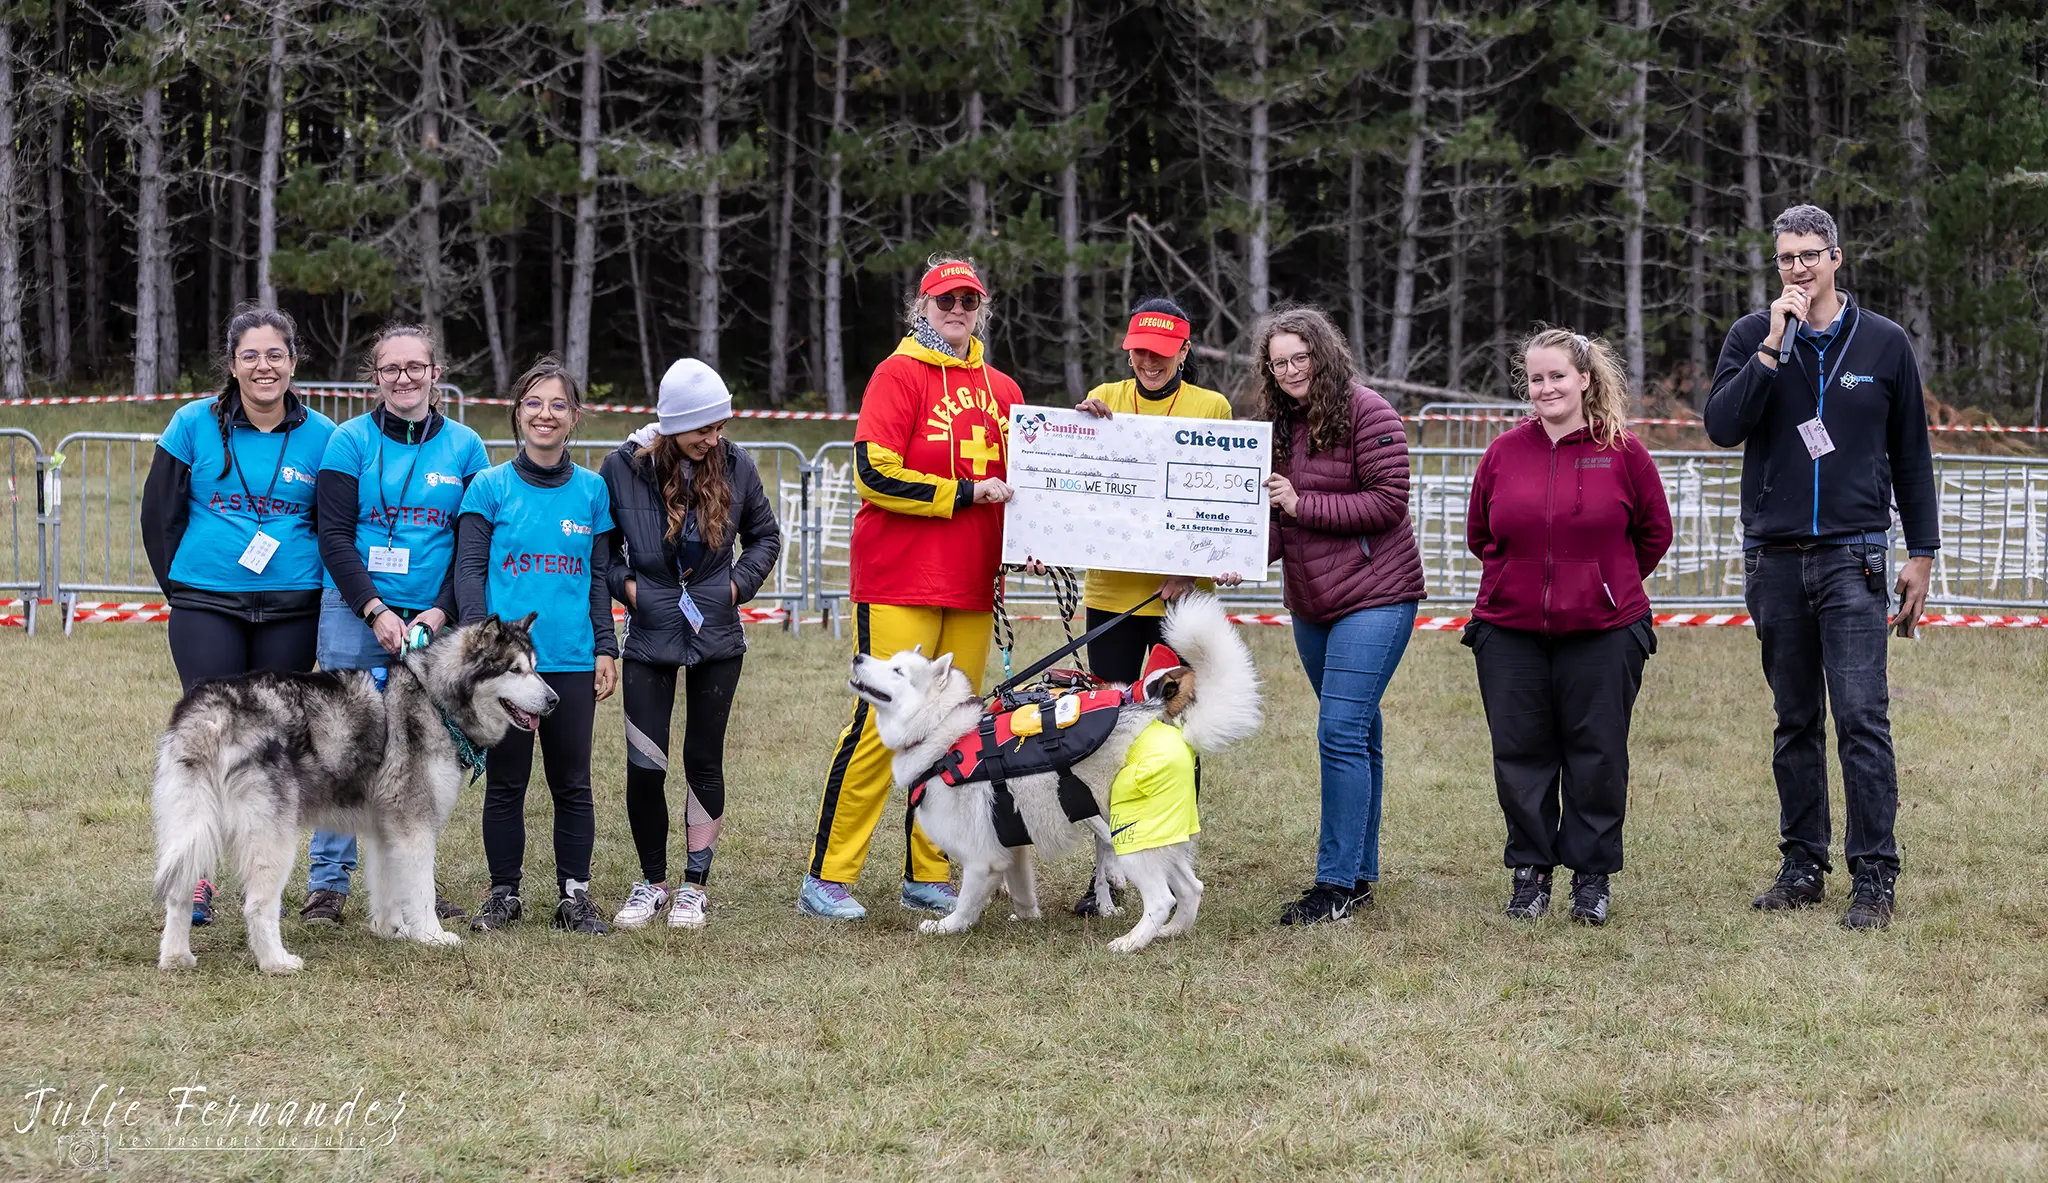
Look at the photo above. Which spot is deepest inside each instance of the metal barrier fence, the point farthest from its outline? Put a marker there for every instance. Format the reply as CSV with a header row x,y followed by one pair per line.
x,y
27,554
1994,523
1473,425
340,401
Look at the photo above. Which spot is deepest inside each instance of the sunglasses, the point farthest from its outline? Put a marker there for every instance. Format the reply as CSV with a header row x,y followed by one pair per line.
x,y
967,301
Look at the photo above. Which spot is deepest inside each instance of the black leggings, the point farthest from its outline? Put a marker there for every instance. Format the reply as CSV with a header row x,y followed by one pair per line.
x,y
216,645
565,754
650,692
1119,654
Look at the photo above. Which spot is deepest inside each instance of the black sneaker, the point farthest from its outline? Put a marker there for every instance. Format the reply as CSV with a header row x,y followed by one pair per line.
x,y
446,910
1325,903
1589,898
498,911
577,914
1800,884
323,907
1361,895
1870,901
1532,893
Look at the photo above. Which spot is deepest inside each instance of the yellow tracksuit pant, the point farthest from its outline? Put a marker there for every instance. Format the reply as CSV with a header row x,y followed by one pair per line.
x,y
857,784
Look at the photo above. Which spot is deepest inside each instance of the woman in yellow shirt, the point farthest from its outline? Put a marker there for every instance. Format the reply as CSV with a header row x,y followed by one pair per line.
x,y
1157,345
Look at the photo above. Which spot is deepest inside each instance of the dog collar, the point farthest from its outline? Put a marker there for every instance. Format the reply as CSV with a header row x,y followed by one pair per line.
x,y
467,752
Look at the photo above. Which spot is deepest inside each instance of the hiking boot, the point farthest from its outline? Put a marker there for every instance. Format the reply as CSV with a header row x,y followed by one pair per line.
x,y
202,903
576,913
1589,898
1324,903
688,910
919,896
1531,898
1085,906
1800,884
323,907
1361,895
446,909
1870,901
824,898
643,904
499,910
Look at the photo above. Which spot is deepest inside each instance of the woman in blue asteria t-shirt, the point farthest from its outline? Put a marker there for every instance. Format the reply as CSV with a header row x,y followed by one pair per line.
x,y
390,487
227,519
530,540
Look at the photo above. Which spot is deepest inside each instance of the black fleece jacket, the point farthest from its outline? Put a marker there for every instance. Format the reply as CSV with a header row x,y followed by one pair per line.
x,y
473,533
1865,388
336,495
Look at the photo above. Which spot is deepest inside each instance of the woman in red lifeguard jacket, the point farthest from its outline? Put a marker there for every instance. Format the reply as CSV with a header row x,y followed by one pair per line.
x,y
930,458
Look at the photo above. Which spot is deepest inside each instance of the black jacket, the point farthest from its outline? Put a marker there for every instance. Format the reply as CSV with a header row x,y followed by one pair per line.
x,y
167,509
1873,410
719,583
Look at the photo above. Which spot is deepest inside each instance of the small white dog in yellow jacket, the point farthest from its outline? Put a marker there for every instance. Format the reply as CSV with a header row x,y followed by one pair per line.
x,y
988,788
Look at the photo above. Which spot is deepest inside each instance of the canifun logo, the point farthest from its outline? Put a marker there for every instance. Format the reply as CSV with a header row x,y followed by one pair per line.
x,y
289,475
1852,381
571,529
1032,425
442,478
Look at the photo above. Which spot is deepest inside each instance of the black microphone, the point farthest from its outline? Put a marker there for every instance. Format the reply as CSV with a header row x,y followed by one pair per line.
x,y
1785,346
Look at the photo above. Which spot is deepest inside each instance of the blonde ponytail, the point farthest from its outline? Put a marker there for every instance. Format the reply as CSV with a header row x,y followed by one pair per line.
x,y
1605,402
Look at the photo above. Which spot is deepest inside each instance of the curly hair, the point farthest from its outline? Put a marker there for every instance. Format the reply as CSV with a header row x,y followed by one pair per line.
x,y
1329,387
1605,402
705,488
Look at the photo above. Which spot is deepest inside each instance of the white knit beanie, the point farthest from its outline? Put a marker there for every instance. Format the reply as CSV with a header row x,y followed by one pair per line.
x,y
692,396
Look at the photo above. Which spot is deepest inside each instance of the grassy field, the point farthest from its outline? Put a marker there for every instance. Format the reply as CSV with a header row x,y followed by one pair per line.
x,y
1429,1038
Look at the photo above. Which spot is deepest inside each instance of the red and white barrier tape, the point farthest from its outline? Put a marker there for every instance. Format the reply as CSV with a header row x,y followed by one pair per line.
x,y
98,612
850,416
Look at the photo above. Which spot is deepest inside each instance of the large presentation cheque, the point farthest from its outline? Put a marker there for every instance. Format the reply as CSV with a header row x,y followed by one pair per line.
x,y
1138,493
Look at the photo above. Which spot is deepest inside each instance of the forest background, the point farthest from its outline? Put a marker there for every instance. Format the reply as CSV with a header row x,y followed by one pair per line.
x,y
758,183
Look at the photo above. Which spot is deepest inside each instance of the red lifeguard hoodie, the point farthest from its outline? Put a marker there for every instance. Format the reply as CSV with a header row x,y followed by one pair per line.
x,y
1567,532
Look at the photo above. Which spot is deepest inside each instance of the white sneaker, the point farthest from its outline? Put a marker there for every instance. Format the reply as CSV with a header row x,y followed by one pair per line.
x,y
642,904
689,907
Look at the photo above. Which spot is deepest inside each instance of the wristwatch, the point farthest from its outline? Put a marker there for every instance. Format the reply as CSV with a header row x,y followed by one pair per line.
x,y
370,614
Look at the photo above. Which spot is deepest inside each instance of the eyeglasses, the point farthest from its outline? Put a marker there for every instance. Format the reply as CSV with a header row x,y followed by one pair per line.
x,y
1287,365
414,370
1806,259
968,301
275,357
534,406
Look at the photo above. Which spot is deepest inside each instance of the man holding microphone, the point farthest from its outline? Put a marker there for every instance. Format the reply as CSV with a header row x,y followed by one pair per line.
x,y
1825,398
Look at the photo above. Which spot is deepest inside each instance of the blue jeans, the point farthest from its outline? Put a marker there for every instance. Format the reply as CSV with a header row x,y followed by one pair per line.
x,y
1823,630
1349,663
346,643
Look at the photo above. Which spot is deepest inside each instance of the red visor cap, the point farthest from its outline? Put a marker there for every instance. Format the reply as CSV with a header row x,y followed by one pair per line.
x,y
1158,332
951,277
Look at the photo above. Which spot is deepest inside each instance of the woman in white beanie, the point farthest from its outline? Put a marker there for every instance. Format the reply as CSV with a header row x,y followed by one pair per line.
x,y
684,499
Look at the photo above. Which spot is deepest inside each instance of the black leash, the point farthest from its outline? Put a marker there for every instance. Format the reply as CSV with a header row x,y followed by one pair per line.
x,y
1045,663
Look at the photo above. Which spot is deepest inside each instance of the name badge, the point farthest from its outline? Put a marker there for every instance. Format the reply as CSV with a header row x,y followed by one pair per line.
x,y
1815,433
691,612
256,555
390,560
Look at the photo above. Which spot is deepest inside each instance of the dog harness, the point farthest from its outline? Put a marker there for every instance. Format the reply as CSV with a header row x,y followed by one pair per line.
x,y
1049,735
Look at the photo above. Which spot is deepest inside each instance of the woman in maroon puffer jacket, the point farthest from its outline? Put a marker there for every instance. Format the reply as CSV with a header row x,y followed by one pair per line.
x,y
1339,492
1568,517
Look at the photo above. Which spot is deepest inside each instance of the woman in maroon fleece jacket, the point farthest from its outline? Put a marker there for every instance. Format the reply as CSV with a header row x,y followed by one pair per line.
x,y
1340,528
1568,518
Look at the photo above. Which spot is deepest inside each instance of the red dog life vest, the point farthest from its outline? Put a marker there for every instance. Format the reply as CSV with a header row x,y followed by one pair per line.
x,y
1048,736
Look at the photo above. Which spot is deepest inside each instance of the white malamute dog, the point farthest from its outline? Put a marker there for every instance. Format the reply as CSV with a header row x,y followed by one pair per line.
x,y
923,705
250,761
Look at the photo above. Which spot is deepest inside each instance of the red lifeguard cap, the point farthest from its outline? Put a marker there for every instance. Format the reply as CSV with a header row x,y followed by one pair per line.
x,y
1160,332
951,277
1158,663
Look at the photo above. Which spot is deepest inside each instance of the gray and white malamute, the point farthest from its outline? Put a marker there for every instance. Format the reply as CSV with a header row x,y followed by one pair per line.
x,y
923,706
248,762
